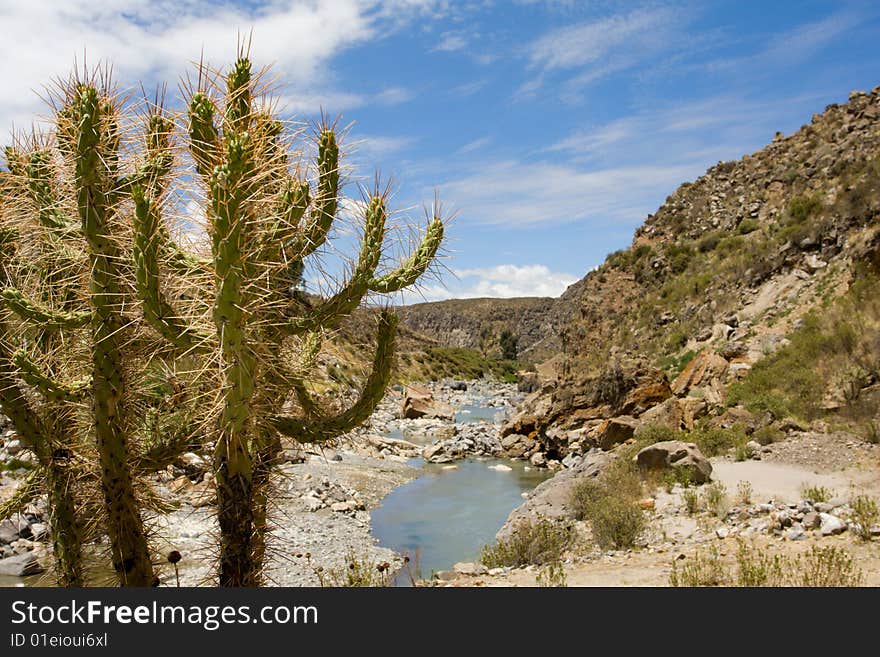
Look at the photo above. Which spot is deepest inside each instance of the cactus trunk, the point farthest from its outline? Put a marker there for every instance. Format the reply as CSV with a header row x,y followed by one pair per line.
x,y
66,530
131,557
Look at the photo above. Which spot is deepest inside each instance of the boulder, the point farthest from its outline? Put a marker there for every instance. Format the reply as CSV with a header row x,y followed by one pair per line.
x,y
677,455
419,402
675,413
652,389
704,375
527,382
14,528
615,431
20,565
831,525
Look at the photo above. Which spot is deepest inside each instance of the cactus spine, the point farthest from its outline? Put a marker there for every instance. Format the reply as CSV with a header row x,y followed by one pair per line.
x,y
263,222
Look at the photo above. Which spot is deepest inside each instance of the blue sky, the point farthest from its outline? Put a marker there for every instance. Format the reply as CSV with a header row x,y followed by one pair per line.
x,y
552,128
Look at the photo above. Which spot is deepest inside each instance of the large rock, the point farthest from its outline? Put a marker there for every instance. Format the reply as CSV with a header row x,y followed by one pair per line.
x,y
704,374
676,455
419,402
20,565
675,413
615,431
14,528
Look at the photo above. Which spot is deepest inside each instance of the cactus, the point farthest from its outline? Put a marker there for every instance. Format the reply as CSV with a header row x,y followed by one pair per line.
x,y
66,303
263,222
49,434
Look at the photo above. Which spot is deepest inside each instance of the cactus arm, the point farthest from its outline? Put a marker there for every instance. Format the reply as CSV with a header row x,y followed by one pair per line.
x,y
203,137
166,446
15,405
321,219
415,265
326,428
154,171
328,313
51,390
27,492
156,309
131,557
39,183
38,315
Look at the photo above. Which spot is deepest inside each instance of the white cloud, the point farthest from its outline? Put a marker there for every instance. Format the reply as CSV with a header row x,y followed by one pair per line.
x,y
474,145
501,281
521,193
157,41
469,88
450,42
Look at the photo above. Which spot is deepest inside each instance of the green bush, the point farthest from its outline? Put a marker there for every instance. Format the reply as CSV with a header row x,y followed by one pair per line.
x,y
714,441
747,226
819,567
616,523
802,208
865,515
816,494
529,543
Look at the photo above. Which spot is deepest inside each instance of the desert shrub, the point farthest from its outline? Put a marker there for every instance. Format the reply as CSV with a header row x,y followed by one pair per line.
x,y
357,571
713,441
616,522
691,497
655,433
747,226
759,568
865,515
715,498
825,567
610,504
679,257
702,569
742,452
768,435
744,492
529,543
819,567
709,241
551,574
816,494
801,208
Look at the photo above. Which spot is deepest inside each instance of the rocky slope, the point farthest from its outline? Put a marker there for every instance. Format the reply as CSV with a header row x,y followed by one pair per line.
x,y
478,324
728,270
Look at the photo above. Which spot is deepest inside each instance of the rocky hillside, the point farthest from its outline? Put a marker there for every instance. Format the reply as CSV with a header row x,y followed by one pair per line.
x,y
479,324
765,262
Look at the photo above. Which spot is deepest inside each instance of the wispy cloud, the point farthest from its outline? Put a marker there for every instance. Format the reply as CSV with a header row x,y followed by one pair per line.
x,y
474,145
790,47
451,42
468,89
518,193
597,48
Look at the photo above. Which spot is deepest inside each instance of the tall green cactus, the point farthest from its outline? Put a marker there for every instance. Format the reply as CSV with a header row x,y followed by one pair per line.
x,y
74,315
263,223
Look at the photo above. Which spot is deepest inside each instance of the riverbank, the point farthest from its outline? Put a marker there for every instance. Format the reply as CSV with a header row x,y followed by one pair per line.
x,y
754,511
323,499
